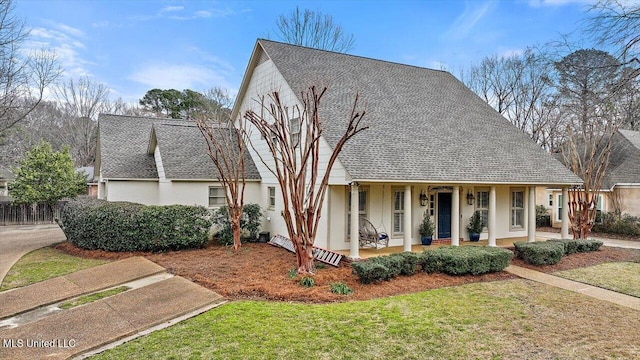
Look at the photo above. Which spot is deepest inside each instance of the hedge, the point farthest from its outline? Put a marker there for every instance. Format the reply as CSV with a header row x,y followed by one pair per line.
x,y
463,260
452,260
540,253
122,226
572,246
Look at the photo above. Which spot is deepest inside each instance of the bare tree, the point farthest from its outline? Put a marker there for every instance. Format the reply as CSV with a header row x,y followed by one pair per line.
x,y
296,162
313,29
226,146
23,78
617,23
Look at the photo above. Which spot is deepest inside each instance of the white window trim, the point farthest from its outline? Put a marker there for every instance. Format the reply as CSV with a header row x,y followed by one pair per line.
x,y
295,135
222,196
557,208
511,208
347,236
488,191
394,211
271,204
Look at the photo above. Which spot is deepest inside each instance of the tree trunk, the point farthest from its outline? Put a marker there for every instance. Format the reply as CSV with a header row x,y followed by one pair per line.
x,y
304,256
235,226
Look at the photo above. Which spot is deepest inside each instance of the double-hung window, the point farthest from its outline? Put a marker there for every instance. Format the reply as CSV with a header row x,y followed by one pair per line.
x,y
517,208
482,206
216,196
272,197
362,207
398,212
294,131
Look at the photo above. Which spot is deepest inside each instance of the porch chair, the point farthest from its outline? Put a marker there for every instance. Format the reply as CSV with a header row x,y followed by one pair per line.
x,y
370,237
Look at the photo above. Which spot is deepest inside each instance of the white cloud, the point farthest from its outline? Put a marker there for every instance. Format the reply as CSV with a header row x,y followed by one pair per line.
x,y
541,3
67,44
179,77
465,22
172,8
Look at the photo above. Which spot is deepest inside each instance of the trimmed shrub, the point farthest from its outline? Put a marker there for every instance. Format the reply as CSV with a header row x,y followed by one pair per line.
x,y
393,264
540,253
341,288
122,226
589,245
624,224
463,260
572,246
249,224
369,271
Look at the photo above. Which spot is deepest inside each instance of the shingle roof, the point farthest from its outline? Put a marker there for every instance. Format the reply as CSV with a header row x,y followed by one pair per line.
x,y
184,152
124,143
425,125
123,147
6,174
624,163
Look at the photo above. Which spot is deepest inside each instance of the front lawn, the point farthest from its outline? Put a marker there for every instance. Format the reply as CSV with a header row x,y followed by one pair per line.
x,y
497,320
623,277
43,264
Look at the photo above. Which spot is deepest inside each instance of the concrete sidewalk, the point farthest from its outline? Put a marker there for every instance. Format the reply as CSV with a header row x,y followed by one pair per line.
x,y
578,287
627,244
67,333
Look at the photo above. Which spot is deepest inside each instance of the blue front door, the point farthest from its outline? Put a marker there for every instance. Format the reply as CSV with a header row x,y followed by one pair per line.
x,y
444,215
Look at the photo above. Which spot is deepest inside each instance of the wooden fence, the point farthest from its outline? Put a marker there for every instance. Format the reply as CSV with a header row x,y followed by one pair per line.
x,y
29,214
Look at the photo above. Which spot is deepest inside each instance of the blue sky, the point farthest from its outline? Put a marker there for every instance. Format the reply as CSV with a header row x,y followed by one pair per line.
x,y
134,46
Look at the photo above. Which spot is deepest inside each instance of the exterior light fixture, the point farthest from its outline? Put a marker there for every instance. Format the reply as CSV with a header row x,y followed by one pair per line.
x,y
423,198
470,198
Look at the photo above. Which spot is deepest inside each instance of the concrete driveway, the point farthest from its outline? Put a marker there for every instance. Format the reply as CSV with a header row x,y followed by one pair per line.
x,y
15,241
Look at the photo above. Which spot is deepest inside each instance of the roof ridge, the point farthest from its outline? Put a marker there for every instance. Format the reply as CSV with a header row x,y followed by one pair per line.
x,y
356,56
137,116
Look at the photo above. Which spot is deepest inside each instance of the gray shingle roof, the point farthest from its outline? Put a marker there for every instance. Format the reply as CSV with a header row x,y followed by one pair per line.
x,y
124,143
123,147
425,125
184,152
624,163
6,174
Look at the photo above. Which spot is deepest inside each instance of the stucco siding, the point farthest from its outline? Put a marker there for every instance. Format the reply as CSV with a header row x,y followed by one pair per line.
x,y
143,192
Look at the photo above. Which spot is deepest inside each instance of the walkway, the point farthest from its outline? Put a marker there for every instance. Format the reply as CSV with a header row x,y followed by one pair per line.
x,y
627,244
16,241
34,326
578,287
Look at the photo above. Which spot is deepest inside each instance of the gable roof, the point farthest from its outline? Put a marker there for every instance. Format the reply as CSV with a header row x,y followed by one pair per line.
x,y
123,144
424,125
184,152
624,162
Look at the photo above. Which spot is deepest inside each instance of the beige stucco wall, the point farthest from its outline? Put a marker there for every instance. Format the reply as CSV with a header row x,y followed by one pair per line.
x,y
630,195
143,192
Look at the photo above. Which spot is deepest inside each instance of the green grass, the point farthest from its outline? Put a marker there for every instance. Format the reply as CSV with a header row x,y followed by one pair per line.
x,y
43,264
496,320
92,297
623,277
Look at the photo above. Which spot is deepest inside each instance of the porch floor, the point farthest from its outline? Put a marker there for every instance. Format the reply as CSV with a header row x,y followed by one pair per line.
x,y
367,253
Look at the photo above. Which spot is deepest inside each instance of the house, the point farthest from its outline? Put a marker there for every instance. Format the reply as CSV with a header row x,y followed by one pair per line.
x,y
6,176
92,185
432,146
157,161
620,187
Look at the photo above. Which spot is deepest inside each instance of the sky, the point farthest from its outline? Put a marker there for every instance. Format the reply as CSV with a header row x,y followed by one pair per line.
x,y
137,45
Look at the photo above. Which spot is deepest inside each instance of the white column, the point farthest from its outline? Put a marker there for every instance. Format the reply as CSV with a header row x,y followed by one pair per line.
x,y
406,241
565,213
491,221
531,224
455,216
354,252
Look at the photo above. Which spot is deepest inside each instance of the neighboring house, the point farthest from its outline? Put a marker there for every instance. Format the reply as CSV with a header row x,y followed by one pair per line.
x,y
158,161
620,187
6,176
432,145
92,185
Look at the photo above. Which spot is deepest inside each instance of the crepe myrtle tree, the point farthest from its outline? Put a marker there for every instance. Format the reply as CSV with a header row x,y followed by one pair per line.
x,y
296,161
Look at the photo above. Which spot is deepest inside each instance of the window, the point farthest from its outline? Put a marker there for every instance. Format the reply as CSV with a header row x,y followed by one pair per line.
x,y
398,211
432,204
362,207
272,197
482,205
550,200
294,129
216,196
560,202
517,208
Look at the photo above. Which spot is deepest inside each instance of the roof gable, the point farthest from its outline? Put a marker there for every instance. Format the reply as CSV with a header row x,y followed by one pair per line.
x,y
624,162
424,125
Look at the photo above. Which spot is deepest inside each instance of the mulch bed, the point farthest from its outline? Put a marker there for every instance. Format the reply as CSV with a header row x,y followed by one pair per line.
x,y
260,272
593,234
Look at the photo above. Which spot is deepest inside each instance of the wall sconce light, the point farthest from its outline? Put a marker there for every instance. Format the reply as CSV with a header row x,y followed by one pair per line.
x,y
423,198
470,198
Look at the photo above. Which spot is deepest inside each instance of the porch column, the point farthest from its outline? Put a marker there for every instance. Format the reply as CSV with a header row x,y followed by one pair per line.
x,y
531,225
564,233
354,250
455,216
406,241
491,221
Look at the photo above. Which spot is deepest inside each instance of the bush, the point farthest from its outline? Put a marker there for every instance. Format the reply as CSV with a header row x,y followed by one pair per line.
x,y
474,260
249,223
572,246
626,224
307,282
540,253
543,219
341,288
409,265
369,271
122,226
393,263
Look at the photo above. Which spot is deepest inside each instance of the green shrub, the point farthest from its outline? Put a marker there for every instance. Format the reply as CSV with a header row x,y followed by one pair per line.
x,y
540,253
463,260
589,245
572,246
122,226
369,271
307,282
624,224
409,262
393,263
543,219
341,288
249,223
